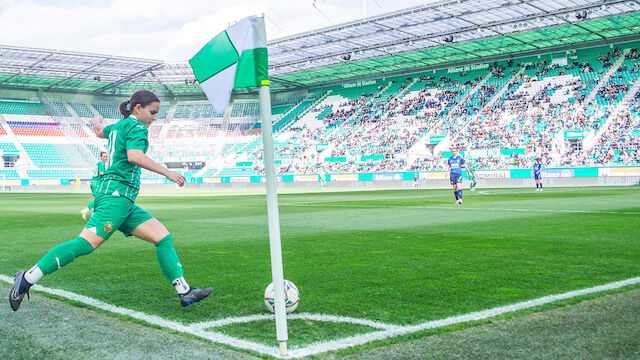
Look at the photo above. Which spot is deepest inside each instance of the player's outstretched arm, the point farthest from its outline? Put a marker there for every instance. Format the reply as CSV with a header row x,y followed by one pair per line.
x,y
98,126
138,157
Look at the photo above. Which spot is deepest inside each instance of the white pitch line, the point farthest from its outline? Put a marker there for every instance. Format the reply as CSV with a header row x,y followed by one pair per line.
x,y
155,320
322,347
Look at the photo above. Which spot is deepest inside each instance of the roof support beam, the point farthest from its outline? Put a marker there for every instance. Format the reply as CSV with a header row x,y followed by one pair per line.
x,y
128,78
30,67
288,82
78,73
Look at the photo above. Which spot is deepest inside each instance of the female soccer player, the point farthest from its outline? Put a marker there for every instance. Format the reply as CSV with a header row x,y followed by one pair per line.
x,y
114,204
454,168
98,171
322,177
471,174
537,173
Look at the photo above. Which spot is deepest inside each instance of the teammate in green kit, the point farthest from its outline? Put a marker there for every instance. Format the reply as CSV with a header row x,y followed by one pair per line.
x,y
471,174
115,208
98,171
322,176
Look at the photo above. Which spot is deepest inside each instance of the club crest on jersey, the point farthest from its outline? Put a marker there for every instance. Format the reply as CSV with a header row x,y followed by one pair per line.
x,y
108,227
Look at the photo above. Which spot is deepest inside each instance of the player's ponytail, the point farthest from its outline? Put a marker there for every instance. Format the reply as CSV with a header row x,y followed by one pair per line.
x,y
123,108
142,97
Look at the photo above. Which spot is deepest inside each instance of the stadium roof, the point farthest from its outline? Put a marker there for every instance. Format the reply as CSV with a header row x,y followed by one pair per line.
x,y
422,37
446,32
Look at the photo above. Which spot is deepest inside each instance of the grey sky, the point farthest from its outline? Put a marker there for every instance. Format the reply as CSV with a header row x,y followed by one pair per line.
x,y
164,29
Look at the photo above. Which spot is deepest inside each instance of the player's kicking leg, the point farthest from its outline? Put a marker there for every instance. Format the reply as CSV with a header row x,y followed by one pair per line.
x,y
151,230
194,295
19,289
54,260
86,210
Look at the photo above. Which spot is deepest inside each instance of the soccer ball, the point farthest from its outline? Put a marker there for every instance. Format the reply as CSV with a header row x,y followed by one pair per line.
x,y
291,297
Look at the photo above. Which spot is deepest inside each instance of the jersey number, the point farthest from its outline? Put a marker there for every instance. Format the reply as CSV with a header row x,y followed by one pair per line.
x,y
111,148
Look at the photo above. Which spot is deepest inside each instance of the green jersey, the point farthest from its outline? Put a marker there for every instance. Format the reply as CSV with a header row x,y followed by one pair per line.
x,y
471,171
99,168
95,181
122,178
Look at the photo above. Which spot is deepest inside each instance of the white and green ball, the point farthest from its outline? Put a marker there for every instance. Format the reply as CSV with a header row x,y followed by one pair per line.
x,y
291,297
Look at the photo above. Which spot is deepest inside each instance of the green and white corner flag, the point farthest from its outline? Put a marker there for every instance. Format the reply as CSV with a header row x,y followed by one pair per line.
x,y
236,58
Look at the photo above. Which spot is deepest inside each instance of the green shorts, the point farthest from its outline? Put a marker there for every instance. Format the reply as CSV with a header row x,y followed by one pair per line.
x,y
113,213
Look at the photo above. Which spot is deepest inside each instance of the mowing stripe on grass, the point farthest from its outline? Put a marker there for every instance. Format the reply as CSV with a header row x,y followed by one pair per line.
x,y
566,211
447,195
379,198
321,347
303,316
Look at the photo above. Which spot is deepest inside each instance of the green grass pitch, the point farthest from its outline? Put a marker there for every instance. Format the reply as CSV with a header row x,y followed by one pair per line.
x,y
394,256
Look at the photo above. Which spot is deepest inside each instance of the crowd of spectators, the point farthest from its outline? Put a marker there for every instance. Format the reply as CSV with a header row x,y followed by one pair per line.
x,y
618,143
532,113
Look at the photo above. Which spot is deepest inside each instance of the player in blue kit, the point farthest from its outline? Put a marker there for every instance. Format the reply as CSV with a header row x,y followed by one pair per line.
x,y
454,167
537,174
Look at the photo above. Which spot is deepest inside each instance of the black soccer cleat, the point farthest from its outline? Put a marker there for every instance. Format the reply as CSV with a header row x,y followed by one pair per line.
x,y
15,296
194,295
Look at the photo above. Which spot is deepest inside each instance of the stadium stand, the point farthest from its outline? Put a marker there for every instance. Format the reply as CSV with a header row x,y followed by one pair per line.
x,y
83,110
579,108
43,127
9,174
21,108
55,155
58,174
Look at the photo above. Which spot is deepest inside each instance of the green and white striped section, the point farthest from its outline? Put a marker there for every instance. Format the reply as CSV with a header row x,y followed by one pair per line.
x,y
234,59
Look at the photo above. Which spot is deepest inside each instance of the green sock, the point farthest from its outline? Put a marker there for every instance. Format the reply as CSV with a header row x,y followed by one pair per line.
x,y
63,254
168,259
90,206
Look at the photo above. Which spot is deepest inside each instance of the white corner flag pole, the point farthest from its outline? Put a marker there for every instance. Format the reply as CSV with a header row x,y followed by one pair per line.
x,y
275,245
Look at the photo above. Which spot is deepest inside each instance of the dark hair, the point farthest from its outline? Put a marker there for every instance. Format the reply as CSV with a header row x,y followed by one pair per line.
x,y
142,97
103,152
